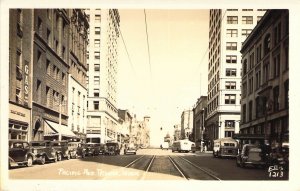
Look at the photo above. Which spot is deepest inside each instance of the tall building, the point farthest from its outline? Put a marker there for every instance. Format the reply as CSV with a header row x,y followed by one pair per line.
x,y
77,87
265,81
20,72
227,31
102,53
199,112
186,124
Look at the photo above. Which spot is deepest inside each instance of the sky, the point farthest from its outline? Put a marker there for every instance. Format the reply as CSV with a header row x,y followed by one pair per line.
x,y
170,82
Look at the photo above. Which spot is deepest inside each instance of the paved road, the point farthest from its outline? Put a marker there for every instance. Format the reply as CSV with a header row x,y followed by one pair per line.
x,y
148,164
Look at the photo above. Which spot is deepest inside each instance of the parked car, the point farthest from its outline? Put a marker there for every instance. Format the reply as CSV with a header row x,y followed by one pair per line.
x,y
130,149
20,153
92,149
76,149
112,149
102,148
43,151
62,149
252,155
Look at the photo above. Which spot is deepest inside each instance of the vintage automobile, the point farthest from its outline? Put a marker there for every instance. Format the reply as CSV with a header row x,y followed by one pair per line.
x,y
112,148
62,149
92,149
102,149
130,149
251,155
43,151
76,149
20,153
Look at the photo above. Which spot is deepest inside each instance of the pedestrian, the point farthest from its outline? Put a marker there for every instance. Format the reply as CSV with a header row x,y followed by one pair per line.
x,y
205,148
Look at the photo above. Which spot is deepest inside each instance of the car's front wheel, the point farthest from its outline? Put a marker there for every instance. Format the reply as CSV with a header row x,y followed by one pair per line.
x,y
29,161
43,160
58,157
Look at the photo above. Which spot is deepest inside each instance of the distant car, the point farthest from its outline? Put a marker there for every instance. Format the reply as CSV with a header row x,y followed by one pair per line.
x,y
44,151
76,149
20,153
130,149
251,155
165,145
92,149
112,149
62,149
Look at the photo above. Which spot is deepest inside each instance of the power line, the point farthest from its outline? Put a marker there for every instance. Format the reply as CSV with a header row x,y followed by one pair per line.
x,y
149,60
127,51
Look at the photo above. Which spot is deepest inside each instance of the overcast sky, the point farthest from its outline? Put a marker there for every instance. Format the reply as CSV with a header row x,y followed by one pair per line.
x,y
170,83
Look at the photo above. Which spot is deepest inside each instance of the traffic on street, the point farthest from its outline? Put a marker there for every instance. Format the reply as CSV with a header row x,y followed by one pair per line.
x,y
148,164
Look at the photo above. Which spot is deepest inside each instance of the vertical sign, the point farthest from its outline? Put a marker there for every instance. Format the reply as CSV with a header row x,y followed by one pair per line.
x,y
26,82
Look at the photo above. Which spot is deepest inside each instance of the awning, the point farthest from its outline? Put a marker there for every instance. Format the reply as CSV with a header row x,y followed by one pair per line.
x,y
52,128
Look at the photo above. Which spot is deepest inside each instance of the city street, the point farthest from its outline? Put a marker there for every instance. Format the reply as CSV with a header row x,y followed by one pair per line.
x,y
148,164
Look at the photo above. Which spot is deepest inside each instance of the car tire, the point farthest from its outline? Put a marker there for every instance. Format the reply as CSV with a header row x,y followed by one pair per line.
x,y
43,160
29,161
58,157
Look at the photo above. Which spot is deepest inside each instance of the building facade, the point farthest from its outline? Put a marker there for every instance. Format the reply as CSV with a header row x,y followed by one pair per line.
x,y
199,112
77,87
140,132
177,132
102,112
186,124
265,80
125,122
20,72
227,31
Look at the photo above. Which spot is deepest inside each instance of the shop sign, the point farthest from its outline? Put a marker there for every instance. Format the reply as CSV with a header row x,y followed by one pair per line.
x,y
26,82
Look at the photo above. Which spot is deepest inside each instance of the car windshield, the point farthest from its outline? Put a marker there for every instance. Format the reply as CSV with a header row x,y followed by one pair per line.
x,y
16,145
37,144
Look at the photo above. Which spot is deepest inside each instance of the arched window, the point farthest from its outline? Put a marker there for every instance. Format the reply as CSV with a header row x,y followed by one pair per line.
x,y
267,44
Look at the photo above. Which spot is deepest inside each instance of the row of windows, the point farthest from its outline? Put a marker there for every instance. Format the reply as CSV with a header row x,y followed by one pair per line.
x,y
245,19
54,71
234,32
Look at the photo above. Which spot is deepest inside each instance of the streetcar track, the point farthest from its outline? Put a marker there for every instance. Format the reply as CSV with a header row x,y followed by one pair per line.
x,y
148,167
184,175
202,169
134,161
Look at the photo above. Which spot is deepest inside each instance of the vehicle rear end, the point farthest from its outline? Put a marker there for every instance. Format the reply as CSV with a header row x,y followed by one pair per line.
x,y
185,146
254,157
228,149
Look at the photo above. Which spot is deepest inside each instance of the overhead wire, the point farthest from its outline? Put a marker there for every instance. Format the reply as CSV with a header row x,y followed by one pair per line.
x,y
149,58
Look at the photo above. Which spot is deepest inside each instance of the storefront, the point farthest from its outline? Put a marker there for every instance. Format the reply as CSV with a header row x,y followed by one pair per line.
x,y
19,122
55,131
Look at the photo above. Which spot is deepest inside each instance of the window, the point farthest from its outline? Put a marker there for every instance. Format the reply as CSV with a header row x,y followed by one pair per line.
x,y
286,94
63,78
247,19
286,64
250,84
97,18
97,43
246,32
276,66
57,74
247,9
257,79
276,98
232,9
97,67
96,105
230,85
250,110
38,90
229,123
244,113
63,52
244,89
40,26
266,69
258,18
258,53
20,23
267,44
230,98
39,55
251,61
277,34
230,72
232,20
49,37
231,59
96,80
231,45
97,55
97,30
18,96
96,92
232,33
48,96
48,67
229,134
54,71
19,74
